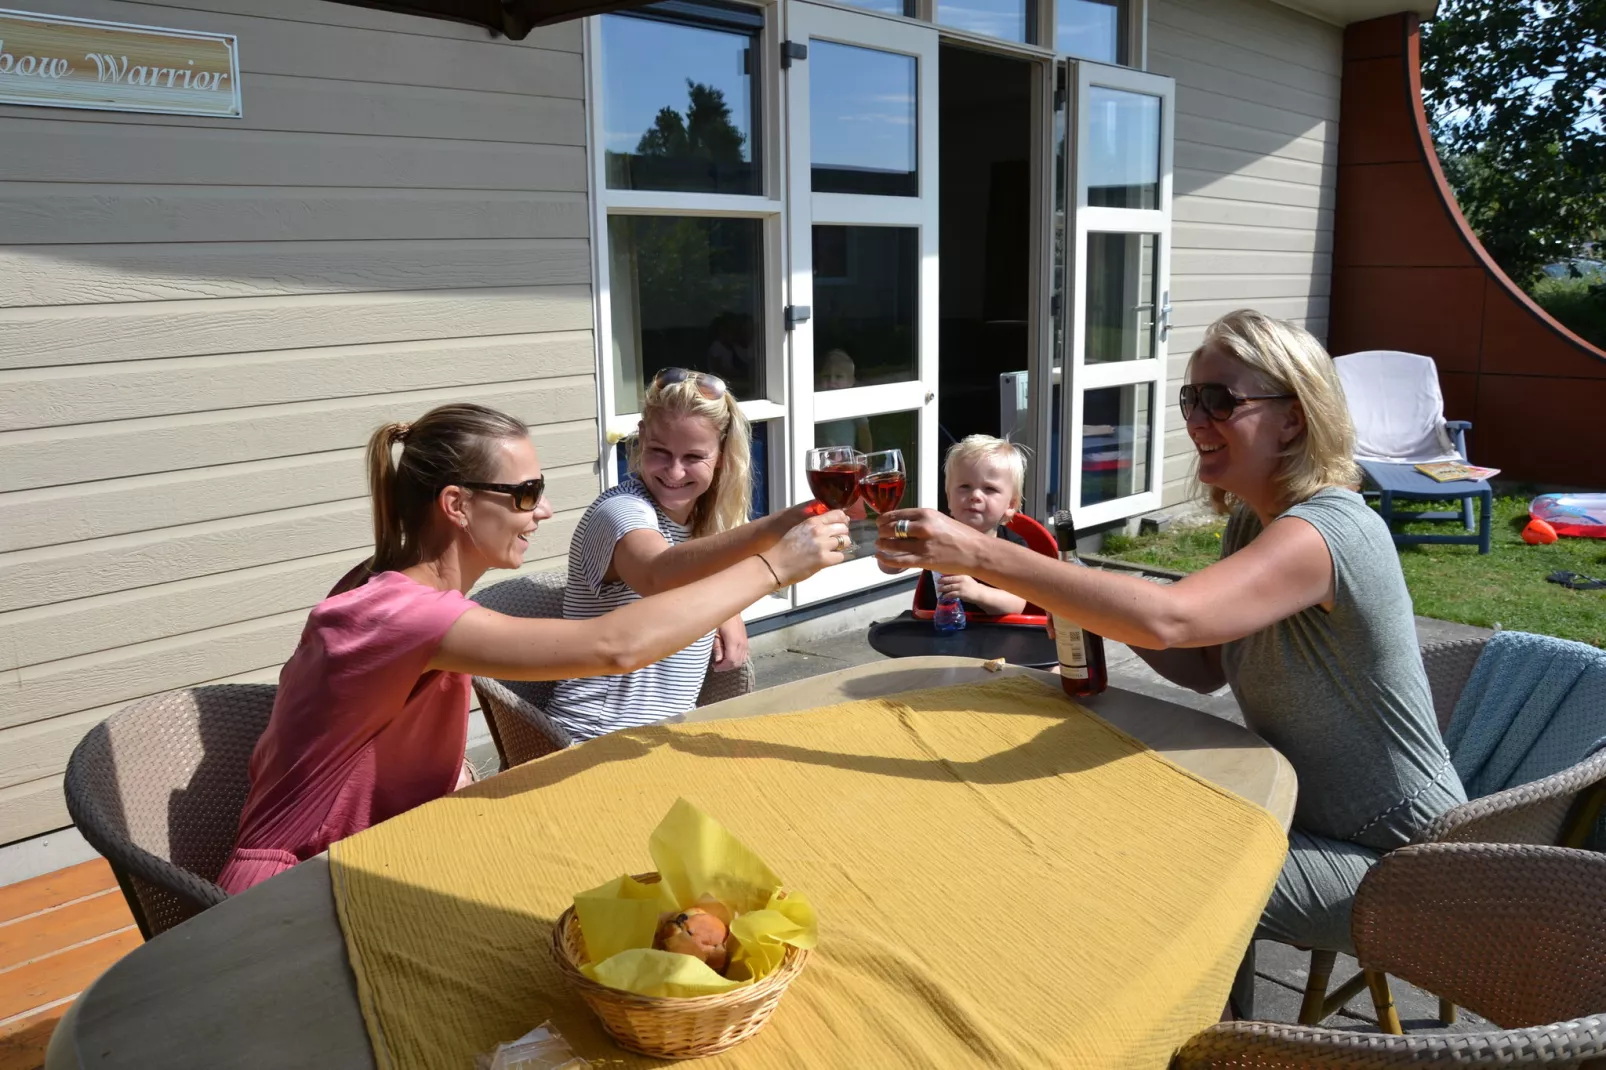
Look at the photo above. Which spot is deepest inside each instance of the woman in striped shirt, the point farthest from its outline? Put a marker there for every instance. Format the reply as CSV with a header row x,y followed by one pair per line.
x,y
681,516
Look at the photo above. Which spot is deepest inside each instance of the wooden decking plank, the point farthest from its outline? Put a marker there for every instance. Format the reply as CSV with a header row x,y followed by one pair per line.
x,y
23,1042
51,930
51,889
54,977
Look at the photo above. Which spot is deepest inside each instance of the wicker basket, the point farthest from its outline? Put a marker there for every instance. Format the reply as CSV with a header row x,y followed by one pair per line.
x,y
673,1027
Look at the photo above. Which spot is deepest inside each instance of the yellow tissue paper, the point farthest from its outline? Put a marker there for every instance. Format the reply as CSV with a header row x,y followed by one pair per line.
x,y
695,856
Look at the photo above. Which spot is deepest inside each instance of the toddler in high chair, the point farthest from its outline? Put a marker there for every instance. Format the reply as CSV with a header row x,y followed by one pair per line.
x,y
985,480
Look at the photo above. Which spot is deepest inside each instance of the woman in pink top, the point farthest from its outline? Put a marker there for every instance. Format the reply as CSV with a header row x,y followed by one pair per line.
x,y
371,716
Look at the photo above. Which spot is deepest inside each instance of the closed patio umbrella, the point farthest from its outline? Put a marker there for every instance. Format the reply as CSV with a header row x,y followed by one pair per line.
x,y
511,18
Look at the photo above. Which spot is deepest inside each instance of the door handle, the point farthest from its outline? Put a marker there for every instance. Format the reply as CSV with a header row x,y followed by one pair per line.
x,y
1165,315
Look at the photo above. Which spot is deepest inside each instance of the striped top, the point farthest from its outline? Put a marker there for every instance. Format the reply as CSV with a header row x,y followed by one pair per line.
x,y
595,705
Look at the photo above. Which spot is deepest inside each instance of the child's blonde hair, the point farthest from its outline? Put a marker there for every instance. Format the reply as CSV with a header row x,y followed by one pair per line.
x,y
728,499
975,448
838,358
1289,360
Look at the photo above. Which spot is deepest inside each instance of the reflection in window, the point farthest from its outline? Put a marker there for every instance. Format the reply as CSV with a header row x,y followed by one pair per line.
x,y
1122,284
862,109
883,431
905,8
1117,426
680,101
1090,29
866,303
1006,19
685,293
1123,149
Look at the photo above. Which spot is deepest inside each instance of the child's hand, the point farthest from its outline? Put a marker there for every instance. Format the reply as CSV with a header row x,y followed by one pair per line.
x,y
963,586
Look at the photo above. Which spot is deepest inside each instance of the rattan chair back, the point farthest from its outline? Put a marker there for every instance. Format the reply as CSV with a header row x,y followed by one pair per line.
x,y
1516,933
158,788
515,710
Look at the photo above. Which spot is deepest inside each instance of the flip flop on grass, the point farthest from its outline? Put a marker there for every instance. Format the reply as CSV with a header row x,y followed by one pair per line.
x,y
1576,582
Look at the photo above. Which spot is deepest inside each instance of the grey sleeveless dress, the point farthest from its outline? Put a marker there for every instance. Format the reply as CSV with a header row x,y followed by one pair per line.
x,y
1344,697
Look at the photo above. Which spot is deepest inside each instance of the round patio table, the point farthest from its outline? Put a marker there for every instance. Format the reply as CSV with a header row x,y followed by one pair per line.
x,y
907,636
262,980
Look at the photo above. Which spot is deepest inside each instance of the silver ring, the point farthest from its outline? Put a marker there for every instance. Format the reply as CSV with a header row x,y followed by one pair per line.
x,y
900,529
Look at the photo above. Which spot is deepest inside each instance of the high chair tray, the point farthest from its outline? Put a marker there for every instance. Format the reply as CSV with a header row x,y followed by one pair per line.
x,y
1019,644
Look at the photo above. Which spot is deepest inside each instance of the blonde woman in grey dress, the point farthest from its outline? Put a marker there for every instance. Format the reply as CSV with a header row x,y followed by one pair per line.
x,y
1306,615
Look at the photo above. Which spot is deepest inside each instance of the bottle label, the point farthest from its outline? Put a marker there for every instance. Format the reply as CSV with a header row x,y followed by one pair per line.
x,y
1071,643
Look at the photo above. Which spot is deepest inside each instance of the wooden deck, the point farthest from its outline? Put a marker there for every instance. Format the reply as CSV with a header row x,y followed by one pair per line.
x,y
58,933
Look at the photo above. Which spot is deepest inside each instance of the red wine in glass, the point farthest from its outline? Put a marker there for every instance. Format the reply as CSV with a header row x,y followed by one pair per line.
x,y
883,491
837,485
834,474
882,480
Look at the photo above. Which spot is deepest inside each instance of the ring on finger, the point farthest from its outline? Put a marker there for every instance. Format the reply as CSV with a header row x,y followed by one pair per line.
x,y
900,529
843,540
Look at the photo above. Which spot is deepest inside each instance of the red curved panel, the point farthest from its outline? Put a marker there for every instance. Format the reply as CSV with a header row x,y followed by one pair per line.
x,y
1409,274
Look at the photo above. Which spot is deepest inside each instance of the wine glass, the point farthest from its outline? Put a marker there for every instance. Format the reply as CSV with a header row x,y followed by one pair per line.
x,y
834,473
883,480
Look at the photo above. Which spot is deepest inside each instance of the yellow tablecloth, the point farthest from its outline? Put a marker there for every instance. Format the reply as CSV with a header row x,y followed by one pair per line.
x,y
1002,880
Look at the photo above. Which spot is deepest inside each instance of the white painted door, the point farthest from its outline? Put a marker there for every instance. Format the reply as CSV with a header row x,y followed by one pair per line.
x,y
1117,292
861,106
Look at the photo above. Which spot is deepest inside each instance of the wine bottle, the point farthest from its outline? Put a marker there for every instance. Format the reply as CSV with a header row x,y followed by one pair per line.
x,y
1081,652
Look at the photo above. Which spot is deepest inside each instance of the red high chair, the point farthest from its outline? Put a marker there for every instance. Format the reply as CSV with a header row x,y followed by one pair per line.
x,y
1037,538
1018,637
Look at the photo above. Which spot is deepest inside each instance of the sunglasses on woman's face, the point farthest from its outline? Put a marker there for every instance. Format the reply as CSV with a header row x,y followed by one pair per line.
x,y
1217,401
526,496
709,386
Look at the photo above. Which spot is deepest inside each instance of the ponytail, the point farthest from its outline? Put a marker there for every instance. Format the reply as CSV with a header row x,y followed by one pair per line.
x,y
448,445
388,536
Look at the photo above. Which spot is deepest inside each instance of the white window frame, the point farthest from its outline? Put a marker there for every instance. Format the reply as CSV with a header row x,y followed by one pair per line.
x,y
771,408
1086,220
805,23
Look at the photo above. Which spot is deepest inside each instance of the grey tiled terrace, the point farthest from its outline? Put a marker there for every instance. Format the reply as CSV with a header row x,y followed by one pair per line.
x,y
1280,971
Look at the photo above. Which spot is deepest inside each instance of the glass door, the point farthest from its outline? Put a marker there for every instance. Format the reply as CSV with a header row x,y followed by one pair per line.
x,y
1116,296
861,102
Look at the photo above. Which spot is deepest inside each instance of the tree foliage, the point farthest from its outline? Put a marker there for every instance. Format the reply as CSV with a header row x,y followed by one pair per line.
x,y
1516,93
704,132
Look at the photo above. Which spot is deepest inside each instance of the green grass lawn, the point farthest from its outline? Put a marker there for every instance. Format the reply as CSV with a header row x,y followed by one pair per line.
x,y
1505,587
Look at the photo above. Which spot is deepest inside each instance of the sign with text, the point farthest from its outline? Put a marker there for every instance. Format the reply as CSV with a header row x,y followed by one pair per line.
x,y
76,63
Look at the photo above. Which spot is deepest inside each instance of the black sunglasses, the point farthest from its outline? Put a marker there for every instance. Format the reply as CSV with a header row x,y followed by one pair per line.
x,y
1218,401
526,495
711,387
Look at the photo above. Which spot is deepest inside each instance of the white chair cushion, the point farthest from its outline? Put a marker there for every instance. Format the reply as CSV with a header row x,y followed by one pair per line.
x,y
1396,406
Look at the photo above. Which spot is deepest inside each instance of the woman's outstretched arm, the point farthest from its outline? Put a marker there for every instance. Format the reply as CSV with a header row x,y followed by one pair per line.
x,y
486,643
644,560
1287,568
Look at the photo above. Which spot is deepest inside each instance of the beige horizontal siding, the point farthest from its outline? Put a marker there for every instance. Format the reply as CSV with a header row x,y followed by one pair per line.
x,y
1254,174
204,319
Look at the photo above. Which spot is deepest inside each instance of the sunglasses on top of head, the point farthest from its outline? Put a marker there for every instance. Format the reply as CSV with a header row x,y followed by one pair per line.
x,y
1217,401
526,496
711,387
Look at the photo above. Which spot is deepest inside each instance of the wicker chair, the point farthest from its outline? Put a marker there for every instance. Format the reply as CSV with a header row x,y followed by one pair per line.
x,y
1558,809
1516,933
515,710
158,788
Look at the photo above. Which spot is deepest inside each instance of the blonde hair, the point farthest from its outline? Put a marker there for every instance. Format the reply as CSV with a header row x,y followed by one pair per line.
x,y
726,502
448,445
840,359
1289,360
974,448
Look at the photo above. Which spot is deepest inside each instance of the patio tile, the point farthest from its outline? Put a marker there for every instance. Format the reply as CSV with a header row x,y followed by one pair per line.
x,y
1281,972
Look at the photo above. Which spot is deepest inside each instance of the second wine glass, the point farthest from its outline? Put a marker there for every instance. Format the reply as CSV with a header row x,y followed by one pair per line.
x,y
883,480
